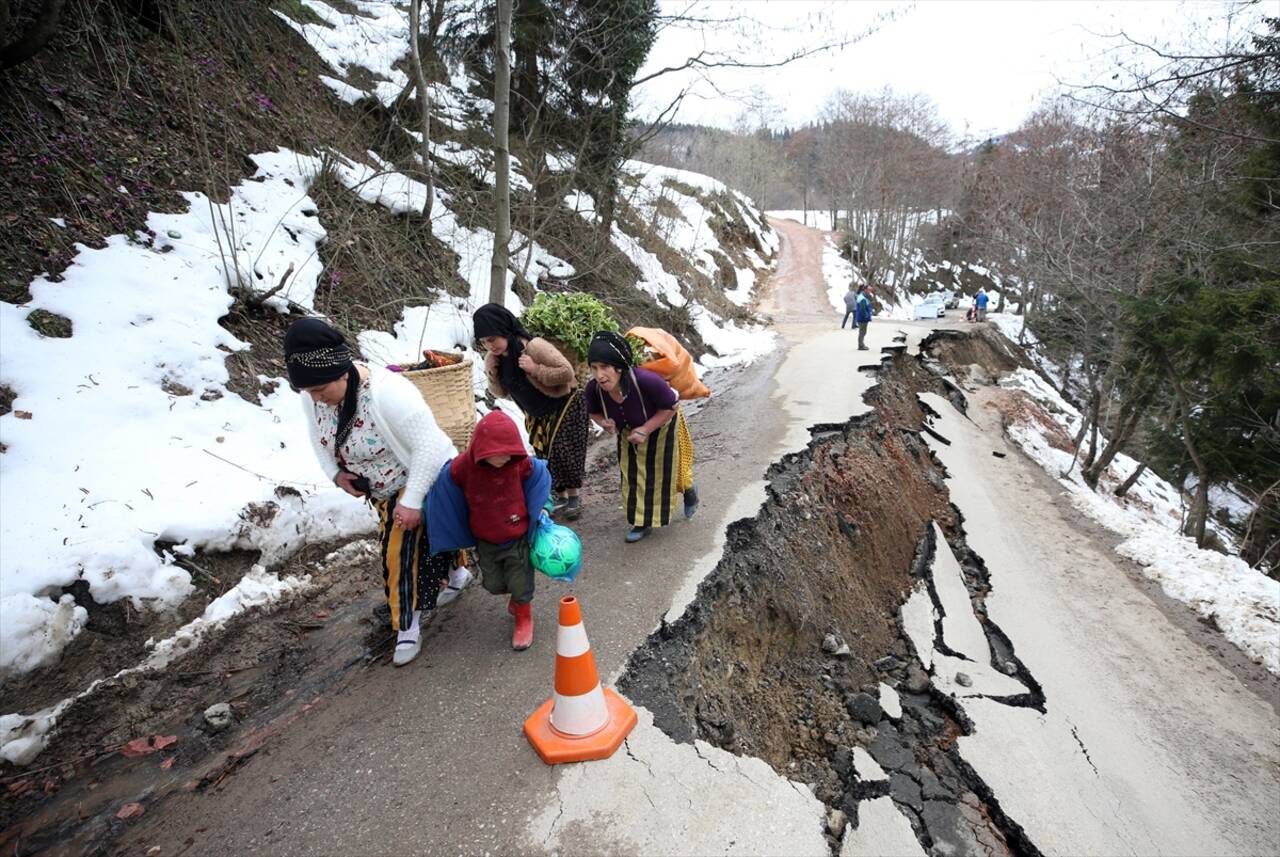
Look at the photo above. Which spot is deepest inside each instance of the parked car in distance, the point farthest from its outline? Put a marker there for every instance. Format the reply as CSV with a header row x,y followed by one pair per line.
x,y
931,307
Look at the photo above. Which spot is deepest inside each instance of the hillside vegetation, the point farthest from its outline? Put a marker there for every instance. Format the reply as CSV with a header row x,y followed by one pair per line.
x,y
193,176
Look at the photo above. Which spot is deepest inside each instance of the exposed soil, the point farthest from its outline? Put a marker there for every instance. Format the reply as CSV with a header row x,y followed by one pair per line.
x,y
979,344
783,651
270,666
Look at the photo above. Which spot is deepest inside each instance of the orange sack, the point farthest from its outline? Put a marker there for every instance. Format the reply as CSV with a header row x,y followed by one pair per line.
x,y
673,362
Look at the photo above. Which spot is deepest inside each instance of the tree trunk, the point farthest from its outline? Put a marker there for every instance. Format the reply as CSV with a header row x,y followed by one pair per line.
x,y
609,167
1093,442
30,43
1131,413
424,106
501,155
1200,503
1199,511
1261,543
1089,419
1089,416
525,86
1132,479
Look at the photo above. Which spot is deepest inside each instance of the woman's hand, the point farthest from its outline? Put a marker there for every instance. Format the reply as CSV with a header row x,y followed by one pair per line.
x,y
608,425
638,436
526,363
345,480
406,518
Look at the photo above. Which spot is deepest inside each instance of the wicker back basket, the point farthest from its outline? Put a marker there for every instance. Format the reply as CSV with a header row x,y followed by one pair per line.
x,y
448,392
581,370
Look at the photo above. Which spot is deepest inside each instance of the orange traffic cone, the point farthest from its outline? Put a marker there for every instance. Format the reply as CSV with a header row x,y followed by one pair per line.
x,y
581,721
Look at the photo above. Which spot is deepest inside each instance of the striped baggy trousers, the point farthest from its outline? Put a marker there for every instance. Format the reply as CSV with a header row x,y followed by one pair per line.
x,y
655,472
411,576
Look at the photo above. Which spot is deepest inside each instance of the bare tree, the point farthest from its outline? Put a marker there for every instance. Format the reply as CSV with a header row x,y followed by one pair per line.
x,y
424,105
501,155
883,160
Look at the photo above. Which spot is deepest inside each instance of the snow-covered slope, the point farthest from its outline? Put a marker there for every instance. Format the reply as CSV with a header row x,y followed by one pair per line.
x,y
126,435
1242,601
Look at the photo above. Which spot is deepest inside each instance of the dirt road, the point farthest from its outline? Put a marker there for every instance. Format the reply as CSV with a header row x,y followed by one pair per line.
x,y
430,758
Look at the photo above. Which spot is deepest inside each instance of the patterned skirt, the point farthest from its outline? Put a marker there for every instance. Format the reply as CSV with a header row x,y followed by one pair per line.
x,y
560,438
655,473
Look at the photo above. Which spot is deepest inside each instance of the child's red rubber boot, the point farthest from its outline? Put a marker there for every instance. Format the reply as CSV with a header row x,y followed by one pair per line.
x,y
522,636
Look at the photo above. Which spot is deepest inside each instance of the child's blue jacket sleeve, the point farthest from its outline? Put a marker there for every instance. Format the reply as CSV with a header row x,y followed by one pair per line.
x,y
537,489
448,518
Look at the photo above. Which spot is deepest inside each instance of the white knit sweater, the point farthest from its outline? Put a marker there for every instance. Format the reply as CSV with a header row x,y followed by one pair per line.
x,y
409,427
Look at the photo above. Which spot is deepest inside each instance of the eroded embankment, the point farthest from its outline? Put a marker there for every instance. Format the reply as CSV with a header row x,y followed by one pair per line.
x,y
793,650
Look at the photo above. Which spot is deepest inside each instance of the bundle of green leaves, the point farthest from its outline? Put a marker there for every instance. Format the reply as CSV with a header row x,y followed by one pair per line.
x,y
571,318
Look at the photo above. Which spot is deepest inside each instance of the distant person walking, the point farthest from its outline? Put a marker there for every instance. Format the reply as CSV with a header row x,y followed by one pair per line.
x,y
862,315
537,377
376,438
655,451
980,304
850,307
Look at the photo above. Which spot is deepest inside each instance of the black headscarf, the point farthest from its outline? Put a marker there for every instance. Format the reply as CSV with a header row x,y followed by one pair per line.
x,y
611,349
497,320
316,354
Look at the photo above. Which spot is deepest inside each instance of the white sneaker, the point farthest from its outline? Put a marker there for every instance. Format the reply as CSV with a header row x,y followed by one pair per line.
x,y
459,579
408,644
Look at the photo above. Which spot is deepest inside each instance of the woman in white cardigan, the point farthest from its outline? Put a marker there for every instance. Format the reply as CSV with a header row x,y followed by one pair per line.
x,y
375,437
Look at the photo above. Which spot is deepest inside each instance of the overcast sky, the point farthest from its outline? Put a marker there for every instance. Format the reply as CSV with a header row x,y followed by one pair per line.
x,y
984,62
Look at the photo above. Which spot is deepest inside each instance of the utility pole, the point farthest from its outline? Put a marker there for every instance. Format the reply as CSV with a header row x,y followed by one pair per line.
x,y
501,155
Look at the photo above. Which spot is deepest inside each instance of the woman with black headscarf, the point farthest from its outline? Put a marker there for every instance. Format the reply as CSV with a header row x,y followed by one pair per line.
x,y
375,437
655,452
536,376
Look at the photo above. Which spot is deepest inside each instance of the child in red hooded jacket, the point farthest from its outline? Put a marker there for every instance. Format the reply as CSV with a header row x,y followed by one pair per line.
x,y
491,474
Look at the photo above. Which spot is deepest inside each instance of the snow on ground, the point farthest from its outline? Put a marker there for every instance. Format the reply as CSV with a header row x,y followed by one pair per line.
x,y
144,376
682,220
375,40
474,246
1242,601
732,343
24,736
658,191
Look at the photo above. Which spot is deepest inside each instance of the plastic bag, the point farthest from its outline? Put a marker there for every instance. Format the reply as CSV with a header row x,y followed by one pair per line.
x,y
556,550
673,362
